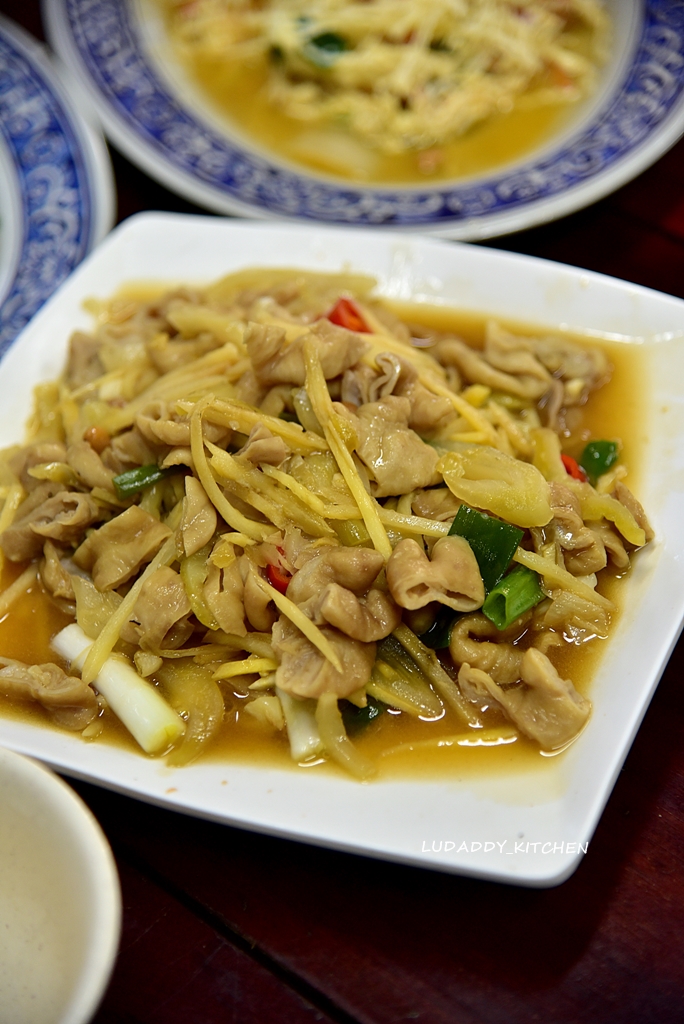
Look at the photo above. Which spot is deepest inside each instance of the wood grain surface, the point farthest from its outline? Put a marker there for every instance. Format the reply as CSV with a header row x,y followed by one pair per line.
x,y
221,925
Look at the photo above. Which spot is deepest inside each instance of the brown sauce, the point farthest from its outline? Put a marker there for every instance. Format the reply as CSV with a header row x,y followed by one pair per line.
x,y
239,93
616,411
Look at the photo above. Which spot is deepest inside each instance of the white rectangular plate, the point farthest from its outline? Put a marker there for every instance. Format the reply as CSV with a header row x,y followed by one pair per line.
x,y
529,830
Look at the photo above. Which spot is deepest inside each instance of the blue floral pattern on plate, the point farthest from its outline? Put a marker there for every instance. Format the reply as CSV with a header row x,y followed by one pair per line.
x,y
61,207
108,45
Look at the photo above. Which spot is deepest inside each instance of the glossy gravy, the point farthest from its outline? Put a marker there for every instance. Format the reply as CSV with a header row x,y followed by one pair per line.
x,y
237,94
240,93
617,410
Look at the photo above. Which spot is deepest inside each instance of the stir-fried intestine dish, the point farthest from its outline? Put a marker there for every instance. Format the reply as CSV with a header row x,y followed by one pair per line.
x,y
274,490
402,76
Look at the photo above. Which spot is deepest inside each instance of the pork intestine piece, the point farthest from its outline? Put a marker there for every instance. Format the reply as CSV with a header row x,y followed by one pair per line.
x,y
335,586
398,460
304,672
116,551
545,707
451,575
277,361
68,700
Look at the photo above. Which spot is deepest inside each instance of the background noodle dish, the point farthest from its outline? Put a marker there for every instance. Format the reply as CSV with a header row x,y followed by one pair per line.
x,y
280,507
392,90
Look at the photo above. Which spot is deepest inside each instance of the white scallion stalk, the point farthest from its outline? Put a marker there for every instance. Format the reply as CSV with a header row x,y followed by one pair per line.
x,y
337,744
137,703
302,730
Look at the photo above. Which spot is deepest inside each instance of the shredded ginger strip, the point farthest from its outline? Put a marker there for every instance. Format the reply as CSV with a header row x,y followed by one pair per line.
x,y
301,621
235,519
560,577
317,390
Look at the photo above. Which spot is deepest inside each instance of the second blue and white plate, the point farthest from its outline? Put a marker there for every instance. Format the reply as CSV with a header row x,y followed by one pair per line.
x,y
56,193
163,125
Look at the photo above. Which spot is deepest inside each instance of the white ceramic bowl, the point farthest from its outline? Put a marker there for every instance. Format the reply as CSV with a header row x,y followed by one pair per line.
x,y
60,904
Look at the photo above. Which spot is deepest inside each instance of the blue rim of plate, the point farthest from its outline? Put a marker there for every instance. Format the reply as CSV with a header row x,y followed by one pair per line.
x,y
175,145
62,183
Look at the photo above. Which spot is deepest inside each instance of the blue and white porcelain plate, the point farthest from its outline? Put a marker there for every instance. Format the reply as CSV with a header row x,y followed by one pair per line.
x,y
163,126
56,193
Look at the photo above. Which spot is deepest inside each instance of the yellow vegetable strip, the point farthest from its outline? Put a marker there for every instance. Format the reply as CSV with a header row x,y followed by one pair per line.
x,y
292,330
266,682
337,744
223,554
319,397
106,378
372,321
119,419
502,418
398,520
382,692
382,340
300,620
274,503
464,408
235,519
468,437
209,372
243,418
560,577
404,504
13,499
255,643
476,394
429,663
191,320
387,516
413,524
597,506
302,492
16,589
244,667
104,645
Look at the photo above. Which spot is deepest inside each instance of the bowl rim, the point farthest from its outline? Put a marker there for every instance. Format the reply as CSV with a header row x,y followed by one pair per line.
x,y
643,117
63,200
105,903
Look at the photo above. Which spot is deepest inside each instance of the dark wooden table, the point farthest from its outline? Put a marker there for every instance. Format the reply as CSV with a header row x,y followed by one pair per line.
x,y
224,926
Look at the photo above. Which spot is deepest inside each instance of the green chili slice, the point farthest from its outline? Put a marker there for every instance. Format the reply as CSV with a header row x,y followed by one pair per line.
x,y
514,595
598,457
135,480
493,542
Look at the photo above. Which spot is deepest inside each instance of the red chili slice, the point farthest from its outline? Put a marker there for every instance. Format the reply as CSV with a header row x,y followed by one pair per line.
x,y
573,468
345,314
278,578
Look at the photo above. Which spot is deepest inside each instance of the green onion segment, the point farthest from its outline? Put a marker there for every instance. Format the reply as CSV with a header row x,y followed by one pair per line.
x,y
324,49
514,595
135,480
